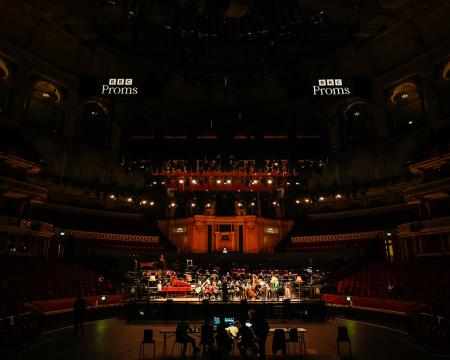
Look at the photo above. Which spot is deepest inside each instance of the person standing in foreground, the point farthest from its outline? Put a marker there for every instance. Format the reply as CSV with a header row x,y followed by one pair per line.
x,y
79,309
260,329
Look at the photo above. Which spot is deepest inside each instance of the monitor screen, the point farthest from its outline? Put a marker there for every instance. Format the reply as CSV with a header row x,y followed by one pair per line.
x,y
228,320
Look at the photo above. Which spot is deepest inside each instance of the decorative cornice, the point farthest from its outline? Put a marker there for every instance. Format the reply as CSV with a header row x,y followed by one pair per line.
x,y
110,236
336,237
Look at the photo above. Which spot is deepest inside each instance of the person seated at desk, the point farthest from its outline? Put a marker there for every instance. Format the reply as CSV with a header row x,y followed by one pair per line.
x,y
246,341
182,336
207,337
224,341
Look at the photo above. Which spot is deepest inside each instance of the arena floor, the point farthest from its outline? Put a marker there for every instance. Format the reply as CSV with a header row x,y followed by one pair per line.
x,y
114,339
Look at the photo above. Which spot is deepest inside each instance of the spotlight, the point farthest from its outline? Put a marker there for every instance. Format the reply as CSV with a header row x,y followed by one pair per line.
x,y
112,196
130,199
297,183
297,201
152,203
338,196
321,198
239,204
307,201
218,181
193,205
252,204
208,205
163,182
255,181
154,182
173,204
229,181
181,181
194,181
274,203
269,181
143,202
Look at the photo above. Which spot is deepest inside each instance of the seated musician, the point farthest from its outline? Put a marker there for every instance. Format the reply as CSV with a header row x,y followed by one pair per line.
x,y
182,336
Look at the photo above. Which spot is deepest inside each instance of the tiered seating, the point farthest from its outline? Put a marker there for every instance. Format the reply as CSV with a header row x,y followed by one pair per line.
x,y
321,246
97,223
373,222
427,281
33,278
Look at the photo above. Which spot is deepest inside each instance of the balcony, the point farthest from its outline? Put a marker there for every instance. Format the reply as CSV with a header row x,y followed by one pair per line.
x,y
433,189
21,189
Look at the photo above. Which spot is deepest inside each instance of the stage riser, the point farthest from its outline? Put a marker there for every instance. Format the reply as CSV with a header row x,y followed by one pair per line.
x,y
193,311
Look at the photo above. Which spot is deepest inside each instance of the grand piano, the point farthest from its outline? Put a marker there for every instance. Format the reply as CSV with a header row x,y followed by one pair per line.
x,y
177,288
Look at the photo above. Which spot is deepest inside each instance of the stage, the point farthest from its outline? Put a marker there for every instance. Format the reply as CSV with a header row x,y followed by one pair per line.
x,y
190,308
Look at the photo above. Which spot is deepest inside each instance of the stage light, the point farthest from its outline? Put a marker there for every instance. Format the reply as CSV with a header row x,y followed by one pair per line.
x,y
307,201
288,183
152,203
276,164
218,181
181,181
410,122
255,181
154,182
239,204
172,204
143,202
62,233
193,205
338,196
274,203
103,298
269,181
130,199
112,196
321,198
297,201
208,205
229,181
404,96
252,204
163,182
297,183
194,181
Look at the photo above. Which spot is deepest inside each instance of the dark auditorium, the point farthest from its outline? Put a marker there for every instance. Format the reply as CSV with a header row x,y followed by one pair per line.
x,y
224,179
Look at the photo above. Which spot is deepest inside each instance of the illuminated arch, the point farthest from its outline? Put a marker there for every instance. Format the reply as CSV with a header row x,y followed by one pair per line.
x,y
45,107
47,91
5,73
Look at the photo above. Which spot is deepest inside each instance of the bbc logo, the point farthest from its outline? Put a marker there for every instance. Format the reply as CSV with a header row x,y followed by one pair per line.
x,y
330,82
120,81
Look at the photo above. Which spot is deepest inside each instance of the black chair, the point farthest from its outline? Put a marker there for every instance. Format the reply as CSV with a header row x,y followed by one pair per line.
x,y
293,338
279,342
180,338
343,337
148,339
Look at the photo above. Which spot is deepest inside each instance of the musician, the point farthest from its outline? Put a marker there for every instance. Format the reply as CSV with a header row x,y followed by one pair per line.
x,y
225,291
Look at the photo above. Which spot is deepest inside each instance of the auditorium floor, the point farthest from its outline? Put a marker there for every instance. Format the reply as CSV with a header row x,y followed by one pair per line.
x,y
114,339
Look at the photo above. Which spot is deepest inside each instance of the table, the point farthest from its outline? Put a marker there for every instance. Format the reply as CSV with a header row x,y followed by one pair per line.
x,y
301,337
171,333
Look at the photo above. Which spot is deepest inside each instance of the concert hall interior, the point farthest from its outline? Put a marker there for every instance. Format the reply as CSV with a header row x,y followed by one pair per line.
x,y
224,179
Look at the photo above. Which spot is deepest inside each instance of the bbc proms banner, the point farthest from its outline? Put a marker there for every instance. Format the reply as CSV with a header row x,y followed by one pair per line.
x,y
129,86
332,86
125,86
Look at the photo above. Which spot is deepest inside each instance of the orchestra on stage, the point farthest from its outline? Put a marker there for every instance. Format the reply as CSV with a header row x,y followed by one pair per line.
x,y
234,285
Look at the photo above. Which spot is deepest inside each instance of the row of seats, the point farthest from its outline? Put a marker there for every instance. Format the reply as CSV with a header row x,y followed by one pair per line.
x,y
427,281
27,278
